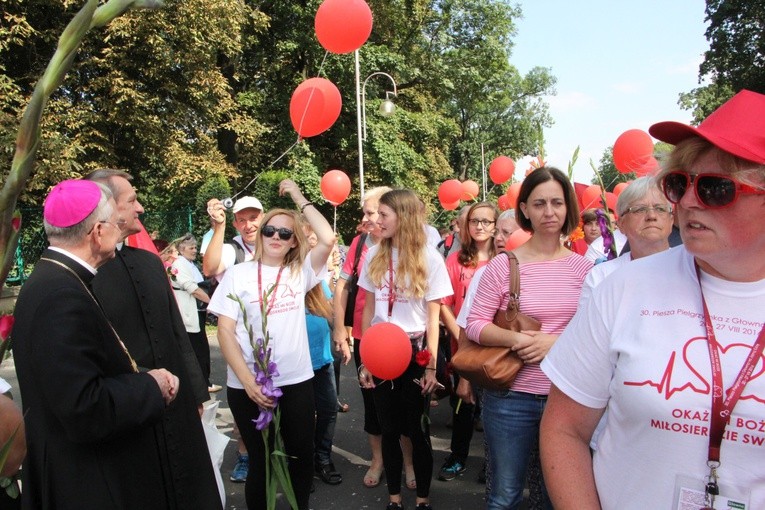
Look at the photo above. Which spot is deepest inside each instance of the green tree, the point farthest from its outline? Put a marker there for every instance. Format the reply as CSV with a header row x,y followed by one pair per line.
x,y
736,56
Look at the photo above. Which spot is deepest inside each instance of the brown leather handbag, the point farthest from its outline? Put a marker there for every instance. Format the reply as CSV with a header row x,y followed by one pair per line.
x,y
496,367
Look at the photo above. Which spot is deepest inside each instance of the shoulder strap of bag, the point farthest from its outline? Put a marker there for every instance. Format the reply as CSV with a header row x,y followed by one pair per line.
x,y
515,283
359,246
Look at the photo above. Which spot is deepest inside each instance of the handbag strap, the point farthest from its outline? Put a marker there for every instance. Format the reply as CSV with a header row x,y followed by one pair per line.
x,y
514,302
359,246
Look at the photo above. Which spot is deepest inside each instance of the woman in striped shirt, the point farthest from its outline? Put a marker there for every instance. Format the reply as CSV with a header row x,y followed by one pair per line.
x,y
551,281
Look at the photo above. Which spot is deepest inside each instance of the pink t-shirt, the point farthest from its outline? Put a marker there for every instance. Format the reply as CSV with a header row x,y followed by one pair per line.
x,y
549,293
460,277
345,274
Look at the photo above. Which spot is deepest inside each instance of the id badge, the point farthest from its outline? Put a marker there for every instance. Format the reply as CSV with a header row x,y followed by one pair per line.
x,y
690,494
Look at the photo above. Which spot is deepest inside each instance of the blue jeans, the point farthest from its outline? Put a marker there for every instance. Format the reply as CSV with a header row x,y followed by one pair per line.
x,y
325,395
511,429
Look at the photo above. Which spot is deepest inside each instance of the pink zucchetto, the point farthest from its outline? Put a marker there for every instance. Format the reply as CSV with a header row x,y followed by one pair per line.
x,y
70,202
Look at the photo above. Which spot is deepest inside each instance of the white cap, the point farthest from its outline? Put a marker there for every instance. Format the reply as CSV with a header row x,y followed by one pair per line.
x,y
247,203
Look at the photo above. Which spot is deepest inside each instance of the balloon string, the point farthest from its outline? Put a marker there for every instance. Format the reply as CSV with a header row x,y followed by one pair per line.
x,y
299,138
310,97
335,225
269,166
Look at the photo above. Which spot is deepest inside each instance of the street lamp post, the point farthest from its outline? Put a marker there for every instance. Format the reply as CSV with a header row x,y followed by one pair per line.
x,y
386,110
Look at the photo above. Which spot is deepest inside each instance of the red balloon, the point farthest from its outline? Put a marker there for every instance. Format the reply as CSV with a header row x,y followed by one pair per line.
x,y
632,150
512,194
501,169
335,187
611,200
469,190
650,167
516,239
503,203
343,26
620,187
450,207
315,106
385,350
591,198
450,191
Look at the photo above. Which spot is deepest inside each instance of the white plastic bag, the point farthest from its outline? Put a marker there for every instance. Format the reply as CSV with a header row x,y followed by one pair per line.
x,y
216,443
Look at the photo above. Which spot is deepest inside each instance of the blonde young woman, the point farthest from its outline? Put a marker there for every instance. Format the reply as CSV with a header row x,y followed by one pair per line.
x,y
282,260
405,280
476,249
370,236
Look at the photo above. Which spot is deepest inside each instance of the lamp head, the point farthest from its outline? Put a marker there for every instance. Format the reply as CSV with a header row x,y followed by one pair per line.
x,y
387,108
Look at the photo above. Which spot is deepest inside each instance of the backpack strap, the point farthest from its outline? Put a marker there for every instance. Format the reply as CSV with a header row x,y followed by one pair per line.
x,y
238,250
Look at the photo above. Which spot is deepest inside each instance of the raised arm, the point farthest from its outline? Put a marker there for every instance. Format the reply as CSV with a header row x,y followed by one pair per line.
x,y
321,227
211,262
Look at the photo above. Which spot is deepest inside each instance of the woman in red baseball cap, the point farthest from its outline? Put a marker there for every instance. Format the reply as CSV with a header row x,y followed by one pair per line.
x,y
672,344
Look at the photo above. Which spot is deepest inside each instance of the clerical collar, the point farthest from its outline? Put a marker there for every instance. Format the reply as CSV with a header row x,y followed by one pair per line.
x,y
75,258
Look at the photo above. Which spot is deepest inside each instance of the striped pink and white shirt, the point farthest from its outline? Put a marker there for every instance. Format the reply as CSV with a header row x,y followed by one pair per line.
x,y
549,293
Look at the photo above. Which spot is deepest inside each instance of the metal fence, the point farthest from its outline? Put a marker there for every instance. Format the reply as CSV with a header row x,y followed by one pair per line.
x,y
32,240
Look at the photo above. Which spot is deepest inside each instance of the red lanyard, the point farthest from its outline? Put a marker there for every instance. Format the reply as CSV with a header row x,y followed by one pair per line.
x,y
721,408
246,247
275,285
392,287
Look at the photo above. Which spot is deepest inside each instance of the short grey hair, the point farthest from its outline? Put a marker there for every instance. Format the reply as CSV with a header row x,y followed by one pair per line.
x,y
638,189
507,214
74,234
105,175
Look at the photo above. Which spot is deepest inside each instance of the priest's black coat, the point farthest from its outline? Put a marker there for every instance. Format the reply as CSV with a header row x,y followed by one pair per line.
x,y
89,417
135,292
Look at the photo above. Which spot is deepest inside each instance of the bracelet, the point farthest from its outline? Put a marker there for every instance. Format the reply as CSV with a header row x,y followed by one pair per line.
x,y
302,207
428,368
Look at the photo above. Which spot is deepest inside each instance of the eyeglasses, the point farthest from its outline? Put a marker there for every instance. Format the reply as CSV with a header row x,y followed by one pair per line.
x,y
285,234
484,223
642,210
713,190
118,225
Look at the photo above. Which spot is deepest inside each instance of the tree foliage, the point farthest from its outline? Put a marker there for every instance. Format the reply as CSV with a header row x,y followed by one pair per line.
x,y
736,56
199,92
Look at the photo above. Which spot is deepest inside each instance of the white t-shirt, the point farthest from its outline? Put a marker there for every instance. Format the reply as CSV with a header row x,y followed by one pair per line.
x,y
469,296
639,347
409,313
596,251
228,255
286,321
434,238
599,273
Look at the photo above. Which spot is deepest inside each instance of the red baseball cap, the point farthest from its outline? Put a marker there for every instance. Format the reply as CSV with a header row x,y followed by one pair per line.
x,y
737,127
70,202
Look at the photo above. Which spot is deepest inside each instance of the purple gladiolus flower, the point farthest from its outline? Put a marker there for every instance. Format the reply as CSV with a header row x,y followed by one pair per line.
x,y
264,419
608,236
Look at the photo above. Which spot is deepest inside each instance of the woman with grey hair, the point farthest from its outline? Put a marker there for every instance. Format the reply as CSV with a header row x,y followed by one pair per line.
x,y
185,280
645,217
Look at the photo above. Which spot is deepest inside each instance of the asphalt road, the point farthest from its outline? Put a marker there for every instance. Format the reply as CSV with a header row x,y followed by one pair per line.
x,y
350,454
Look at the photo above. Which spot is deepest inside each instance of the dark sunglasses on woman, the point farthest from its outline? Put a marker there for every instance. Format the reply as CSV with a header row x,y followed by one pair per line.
x,y
285,234
712,190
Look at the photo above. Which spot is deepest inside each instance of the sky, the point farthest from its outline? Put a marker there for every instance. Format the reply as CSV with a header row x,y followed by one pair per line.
x,y
620,64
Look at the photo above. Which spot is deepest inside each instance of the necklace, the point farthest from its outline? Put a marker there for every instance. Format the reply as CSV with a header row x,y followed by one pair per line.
x,y
87,289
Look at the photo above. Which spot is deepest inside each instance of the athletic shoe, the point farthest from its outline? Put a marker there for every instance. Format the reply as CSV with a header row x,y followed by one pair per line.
x,y
451,469
239,474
